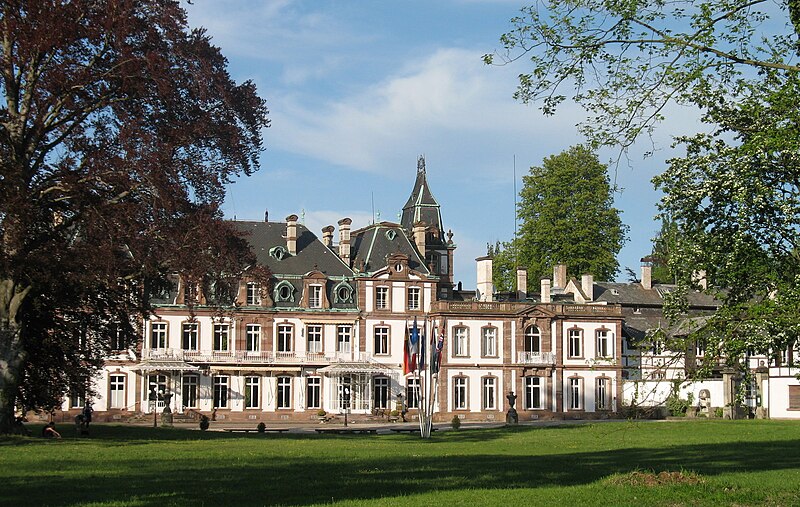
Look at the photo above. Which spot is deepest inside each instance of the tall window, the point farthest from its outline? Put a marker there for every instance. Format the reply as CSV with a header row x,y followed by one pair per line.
x,y
252,392
381,340
460,341
221,337
489,393
489,342
252,333
460,393
158,335
533,339
603,343
603,395
381,298
412,393
343,339
314,392
534,393
413,298
285,338
117,338
156,386
116,386
314,339
381,394
189,336
315,296
221,391
190,386
253,294
575,338
574,394
284,392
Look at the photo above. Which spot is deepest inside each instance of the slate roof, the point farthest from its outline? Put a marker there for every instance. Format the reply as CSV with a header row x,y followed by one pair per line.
x,y
371,245
311,253
636,295
421,205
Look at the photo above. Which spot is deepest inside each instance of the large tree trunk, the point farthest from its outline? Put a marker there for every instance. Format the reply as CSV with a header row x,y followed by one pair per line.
x,y
12,353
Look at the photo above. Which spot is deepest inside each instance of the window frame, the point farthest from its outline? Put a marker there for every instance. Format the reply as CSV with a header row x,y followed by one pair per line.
x,y
117,384
314,392
414,298
412,393
603,335
531,387
190,384
315,295
221,386
284,337
316,331
602,396
343,331
575,391
382,301
252,337
253,294
283,387
489,392
457,338
218,345
489,337
250,389
384,339
575,340
460,393
163,341
190,335
380,393
532,333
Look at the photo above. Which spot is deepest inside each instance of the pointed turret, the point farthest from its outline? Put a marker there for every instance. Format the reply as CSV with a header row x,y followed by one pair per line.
x,y
422,205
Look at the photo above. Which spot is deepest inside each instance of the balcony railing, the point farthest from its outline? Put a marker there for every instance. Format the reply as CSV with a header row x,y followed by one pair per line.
x,y
245,357
545,358
509,308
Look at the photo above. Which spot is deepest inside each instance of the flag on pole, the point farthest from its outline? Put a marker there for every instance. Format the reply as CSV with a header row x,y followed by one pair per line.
x,y
406,353
414,345
424,338
436,362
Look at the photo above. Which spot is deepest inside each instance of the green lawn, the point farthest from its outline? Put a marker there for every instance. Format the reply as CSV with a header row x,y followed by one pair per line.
x,y
619,463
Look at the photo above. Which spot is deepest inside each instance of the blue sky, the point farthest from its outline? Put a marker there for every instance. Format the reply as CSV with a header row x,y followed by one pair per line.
x,y
358,90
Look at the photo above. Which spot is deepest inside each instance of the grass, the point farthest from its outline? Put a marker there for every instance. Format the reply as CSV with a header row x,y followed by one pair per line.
x,y
619,463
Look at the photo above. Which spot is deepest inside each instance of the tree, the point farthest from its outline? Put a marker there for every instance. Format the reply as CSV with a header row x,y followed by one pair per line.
x,y
734,196
119,127
567,214
626,61
665,242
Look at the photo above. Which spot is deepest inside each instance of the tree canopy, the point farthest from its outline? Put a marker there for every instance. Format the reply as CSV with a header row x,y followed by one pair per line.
x,y
734,196
567,214
119,126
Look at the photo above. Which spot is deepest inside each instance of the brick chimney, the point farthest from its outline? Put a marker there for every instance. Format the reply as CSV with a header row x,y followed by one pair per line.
x,y
485,286
587,286
327,236
559,276
522,283
291,234
344,239
545,288
419,237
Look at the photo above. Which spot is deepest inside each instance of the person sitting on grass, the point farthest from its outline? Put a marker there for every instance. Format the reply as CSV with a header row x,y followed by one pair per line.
x,y
49,431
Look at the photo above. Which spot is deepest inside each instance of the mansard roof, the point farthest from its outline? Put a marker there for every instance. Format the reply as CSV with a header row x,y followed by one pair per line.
x,y
636,295
268,242
372,245
421,206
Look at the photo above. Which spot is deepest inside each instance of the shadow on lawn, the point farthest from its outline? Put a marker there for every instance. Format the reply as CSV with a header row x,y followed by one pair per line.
x,y
252,479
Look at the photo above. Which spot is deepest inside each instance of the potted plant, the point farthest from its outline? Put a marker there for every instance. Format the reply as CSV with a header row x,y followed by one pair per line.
x,y
204,422
322,415
261,427
394,415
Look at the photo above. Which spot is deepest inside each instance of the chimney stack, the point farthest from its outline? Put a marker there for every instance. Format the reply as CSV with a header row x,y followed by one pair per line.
x,y
291,234
647,274
700,278
522,284
327,236
485,286
559,276
587,285
419,237
546,290
344,240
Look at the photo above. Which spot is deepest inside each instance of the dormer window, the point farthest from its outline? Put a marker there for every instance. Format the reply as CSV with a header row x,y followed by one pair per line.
x,y
315,296
343,293
278,252
253,294
391,234
284,292
398,268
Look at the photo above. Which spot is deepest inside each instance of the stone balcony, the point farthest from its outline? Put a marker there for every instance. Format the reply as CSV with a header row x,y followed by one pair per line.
x,y
536,358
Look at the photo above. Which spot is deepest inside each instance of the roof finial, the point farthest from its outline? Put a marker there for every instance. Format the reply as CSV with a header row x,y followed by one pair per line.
x,y
421,164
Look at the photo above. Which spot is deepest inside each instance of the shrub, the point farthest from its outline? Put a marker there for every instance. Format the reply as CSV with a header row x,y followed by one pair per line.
x,y
261,427
204,422
455,422
718,412
677,407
